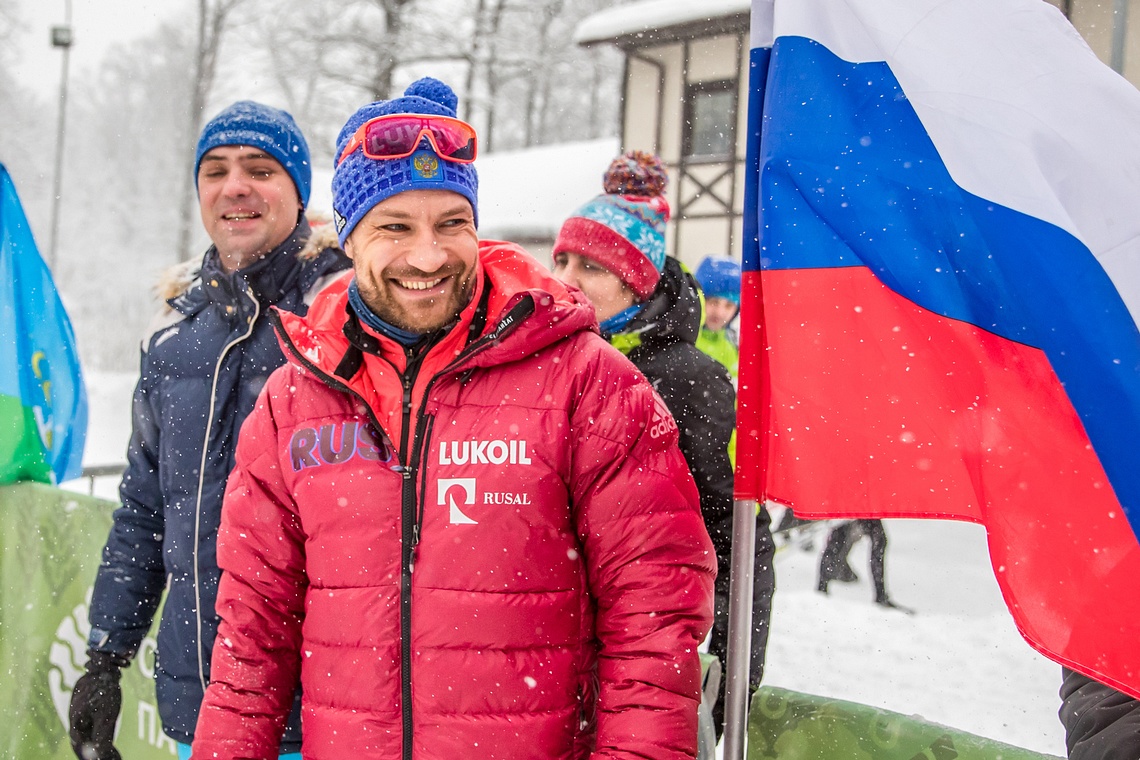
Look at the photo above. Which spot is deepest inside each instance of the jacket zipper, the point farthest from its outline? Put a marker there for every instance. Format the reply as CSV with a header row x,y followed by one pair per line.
x,y
423,433
411,518
202,480
420,442
407,519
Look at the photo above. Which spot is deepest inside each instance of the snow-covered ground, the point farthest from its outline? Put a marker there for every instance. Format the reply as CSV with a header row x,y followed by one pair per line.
x,y
958,661
108,426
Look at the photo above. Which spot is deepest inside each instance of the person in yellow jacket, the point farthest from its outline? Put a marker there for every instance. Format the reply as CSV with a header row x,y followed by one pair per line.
x,y
719,278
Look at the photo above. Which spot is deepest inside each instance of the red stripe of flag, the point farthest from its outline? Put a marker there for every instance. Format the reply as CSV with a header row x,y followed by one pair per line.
x,y
931,417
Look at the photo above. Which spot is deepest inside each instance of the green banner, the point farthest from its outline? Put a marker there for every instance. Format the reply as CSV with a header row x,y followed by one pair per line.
x,y
792,726
52,540
21,451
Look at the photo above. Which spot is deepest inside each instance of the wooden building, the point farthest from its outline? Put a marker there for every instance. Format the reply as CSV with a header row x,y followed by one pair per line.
x,y
686,86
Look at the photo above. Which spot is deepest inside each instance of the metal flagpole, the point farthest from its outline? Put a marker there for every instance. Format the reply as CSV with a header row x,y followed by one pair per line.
x,y
60,38
742,565
739,627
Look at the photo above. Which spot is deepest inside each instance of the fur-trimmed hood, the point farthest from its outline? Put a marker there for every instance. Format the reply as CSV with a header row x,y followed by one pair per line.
x,y
176,280
310,253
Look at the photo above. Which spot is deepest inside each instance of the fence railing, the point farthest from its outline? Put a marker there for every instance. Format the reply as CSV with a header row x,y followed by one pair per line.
x,y
101,471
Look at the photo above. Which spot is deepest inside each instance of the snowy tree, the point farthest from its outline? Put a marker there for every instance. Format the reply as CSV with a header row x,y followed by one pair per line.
x,y
213,20
125,165
530,84
24,139
298,49
520,78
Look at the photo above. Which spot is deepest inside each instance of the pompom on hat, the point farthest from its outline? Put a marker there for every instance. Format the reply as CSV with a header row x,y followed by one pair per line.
x,y
359,182
269,129
624,228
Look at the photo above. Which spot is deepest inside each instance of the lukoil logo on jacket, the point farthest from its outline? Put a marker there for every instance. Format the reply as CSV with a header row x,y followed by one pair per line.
x,y
483,452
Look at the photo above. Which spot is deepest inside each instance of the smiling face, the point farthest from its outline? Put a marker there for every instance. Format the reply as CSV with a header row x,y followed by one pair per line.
x,y
414,255
606,291
248,201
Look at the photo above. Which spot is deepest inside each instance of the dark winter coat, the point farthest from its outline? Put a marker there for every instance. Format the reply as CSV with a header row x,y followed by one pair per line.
x,y
529,476
1100,722
661,340
202,367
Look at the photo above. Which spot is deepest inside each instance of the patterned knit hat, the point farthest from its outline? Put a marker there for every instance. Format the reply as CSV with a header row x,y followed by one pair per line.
x,y
624,228
269,129
359,182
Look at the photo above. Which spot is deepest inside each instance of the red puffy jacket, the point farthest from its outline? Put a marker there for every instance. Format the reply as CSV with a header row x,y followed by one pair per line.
x,y
502,558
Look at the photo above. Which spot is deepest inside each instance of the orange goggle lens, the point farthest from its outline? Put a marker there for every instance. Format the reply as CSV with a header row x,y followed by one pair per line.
x,y
399,135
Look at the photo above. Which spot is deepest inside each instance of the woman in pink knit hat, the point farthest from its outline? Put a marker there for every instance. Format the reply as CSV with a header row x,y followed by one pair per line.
x,y
649,307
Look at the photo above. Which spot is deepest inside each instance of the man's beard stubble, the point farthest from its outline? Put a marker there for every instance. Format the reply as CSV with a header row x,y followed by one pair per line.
x,y
390,311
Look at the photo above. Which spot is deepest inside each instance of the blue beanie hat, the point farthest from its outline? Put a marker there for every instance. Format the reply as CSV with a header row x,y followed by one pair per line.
x,y
359,182
719,277
269,129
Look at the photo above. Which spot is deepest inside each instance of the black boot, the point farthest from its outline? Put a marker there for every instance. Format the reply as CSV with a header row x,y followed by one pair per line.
x,y
891,604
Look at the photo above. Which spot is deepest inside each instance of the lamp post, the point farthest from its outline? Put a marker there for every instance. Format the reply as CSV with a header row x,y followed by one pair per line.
x,y
1119,31
60,38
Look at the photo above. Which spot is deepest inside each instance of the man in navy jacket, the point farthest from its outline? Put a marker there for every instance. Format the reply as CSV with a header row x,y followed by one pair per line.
x,y
204,361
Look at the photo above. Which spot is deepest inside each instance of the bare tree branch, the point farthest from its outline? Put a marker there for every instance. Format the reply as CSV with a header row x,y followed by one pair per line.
x,y
212,18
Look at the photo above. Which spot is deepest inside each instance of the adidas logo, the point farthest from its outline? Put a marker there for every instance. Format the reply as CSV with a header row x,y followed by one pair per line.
x,y
662,422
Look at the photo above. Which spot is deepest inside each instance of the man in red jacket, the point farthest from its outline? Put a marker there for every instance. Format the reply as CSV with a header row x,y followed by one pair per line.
x,y
458,516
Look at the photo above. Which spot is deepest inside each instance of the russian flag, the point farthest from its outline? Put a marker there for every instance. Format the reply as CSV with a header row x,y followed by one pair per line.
x,y
43,403
943,204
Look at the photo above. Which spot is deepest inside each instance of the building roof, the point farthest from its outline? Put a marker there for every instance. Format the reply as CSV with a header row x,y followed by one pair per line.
x,y
525,195
636,23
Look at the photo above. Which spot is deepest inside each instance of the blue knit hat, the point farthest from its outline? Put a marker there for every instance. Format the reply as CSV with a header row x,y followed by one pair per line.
x,y
270,129
359,182
719,277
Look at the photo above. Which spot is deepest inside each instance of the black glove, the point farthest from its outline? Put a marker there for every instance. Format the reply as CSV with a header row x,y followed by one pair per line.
x,y
95,704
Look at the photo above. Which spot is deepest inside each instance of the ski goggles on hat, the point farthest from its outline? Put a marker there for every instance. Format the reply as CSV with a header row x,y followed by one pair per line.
x,y
398,136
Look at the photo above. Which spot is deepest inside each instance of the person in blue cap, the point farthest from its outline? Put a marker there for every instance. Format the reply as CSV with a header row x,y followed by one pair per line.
x,y
719,278
204,361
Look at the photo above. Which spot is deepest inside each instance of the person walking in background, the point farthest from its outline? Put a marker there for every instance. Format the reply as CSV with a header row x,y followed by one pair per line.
x,y
458,515
719,278
203,363
833,564
613,250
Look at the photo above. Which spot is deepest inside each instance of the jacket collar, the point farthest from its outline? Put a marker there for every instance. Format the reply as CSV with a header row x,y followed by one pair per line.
x,y
671,315
506,278
268,278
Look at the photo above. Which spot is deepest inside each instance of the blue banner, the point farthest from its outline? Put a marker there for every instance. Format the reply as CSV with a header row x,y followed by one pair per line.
x,y
43,403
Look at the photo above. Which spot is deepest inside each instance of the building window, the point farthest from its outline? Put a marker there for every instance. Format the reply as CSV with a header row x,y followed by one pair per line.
x,y
710,120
